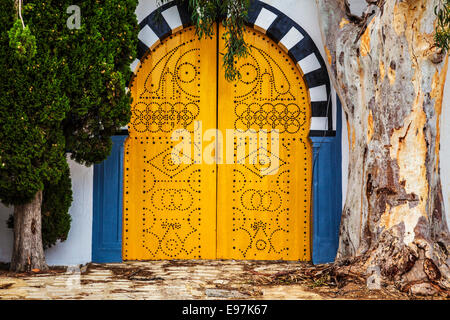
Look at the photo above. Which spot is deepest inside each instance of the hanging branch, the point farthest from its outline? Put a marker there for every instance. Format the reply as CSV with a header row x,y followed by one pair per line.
x,y
19,12
204,14
20,37
233,14
237,12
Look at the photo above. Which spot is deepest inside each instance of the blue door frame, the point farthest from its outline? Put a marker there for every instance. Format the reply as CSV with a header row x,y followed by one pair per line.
x,y
327,193
327,200
107,220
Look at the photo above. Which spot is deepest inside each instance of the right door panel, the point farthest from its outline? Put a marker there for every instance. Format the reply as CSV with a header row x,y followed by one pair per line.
x,y
264,198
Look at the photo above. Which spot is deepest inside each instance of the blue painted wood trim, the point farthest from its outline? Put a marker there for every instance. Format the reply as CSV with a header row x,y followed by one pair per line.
x,y
327,194
107,219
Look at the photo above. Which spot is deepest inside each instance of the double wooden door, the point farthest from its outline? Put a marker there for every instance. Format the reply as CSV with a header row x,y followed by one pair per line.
x,y
253,202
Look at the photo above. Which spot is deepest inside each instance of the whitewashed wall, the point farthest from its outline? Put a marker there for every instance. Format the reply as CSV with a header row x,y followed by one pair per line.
x,y
77,248
445,148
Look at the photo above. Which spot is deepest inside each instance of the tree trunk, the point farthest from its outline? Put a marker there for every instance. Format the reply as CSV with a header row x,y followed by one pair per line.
x,y
28,251
390,79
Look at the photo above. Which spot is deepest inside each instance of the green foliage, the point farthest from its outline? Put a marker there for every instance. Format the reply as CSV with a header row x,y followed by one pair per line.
x,y
22,41
204,14
101,54
68,97
442,35
56,202
233,14
234,37
56,219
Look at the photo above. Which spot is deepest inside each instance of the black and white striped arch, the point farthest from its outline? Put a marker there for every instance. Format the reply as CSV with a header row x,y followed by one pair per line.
x,y
265,18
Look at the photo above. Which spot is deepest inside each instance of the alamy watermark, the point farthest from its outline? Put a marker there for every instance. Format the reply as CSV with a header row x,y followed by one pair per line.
x,y
374,279
74,21
258,148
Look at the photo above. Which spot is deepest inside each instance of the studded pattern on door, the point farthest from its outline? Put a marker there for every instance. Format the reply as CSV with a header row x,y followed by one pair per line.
x,y
226,211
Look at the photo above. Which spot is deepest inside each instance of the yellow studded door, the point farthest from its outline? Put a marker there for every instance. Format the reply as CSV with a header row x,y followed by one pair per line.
x,y
255,203
264,198
170,206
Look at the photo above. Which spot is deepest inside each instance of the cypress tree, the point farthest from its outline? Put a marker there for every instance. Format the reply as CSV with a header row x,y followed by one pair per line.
x,y
62,92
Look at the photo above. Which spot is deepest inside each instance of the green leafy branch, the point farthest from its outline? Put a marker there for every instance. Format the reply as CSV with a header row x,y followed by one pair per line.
x,y
20,37
442,35
233,14
22,41
234,37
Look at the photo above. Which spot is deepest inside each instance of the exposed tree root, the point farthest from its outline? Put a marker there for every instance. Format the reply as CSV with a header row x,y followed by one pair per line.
x,y
390,78
420,269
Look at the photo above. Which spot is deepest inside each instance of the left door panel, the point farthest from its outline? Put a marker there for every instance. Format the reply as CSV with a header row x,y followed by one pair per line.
x,y
169,195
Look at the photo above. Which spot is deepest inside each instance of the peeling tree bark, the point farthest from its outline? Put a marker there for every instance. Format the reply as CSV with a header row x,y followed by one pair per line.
x,y
390,79
28,251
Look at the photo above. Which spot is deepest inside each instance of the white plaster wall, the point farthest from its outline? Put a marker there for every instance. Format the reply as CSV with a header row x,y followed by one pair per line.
x,y
345,156
445,148
77,249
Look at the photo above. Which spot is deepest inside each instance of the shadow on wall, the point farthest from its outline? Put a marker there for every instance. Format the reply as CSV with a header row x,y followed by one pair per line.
x,y
6,234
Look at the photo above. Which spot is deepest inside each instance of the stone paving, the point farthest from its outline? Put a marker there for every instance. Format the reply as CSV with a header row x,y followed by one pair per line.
x,y
156,280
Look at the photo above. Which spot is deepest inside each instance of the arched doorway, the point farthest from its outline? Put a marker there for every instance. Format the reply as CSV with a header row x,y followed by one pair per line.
x,y
199,210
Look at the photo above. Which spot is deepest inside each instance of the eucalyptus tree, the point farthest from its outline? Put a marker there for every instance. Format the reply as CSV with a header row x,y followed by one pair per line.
x,y
389,68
